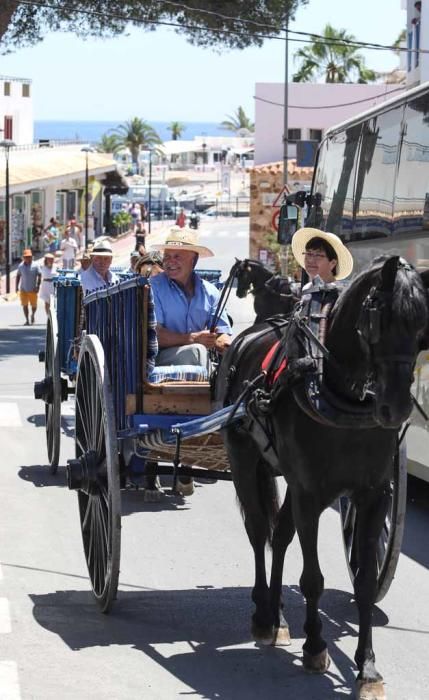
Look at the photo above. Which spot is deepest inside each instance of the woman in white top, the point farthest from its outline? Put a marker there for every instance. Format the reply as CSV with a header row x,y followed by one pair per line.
x,y
69,250
48,272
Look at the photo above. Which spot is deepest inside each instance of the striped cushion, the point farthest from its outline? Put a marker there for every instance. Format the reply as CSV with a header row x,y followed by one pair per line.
x,y
173,373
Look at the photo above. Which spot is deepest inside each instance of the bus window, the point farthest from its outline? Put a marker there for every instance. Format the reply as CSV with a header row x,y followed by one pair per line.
x,y
334,182
375,181
411,212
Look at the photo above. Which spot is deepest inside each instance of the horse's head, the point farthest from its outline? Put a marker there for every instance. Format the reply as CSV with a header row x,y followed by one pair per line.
x,y
391,322
244,277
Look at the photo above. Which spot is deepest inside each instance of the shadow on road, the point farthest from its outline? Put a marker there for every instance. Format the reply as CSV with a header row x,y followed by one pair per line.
x,y
39,475
21,340
209,626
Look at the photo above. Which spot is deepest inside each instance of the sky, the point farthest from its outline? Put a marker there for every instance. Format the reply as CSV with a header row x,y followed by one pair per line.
x,y
158,76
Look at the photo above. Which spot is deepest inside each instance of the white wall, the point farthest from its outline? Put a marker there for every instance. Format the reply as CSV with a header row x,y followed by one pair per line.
x,y
417,19
311,106
19,108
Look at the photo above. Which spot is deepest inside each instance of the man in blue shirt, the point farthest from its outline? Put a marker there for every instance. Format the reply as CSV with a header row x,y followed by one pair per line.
x,y
98,274
185,305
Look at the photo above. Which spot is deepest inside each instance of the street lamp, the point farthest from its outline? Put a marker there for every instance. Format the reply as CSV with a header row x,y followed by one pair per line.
x,y
86,150
149,199
7,144
204,146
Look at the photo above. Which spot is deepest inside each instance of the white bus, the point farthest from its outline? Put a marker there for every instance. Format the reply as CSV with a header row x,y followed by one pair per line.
x,y
371,188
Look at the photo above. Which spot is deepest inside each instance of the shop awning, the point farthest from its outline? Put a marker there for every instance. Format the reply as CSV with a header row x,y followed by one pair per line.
x,y
62,167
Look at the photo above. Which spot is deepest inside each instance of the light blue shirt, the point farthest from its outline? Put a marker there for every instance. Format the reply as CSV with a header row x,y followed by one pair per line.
x,y
175,311
91,280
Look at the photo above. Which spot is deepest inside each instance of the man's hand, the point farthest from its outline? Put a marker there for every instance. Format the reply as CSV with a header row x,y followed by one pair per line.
x,y
223,342
204,338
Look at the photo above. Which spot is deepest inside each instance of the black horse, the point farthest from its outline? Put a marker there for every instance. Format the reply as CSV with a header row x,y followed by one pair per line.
x,y
376,328
273,294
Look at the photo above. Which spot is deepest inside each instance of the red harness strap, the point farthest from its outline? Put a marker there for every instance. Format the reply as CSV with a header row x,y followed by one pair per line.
x,y
266,366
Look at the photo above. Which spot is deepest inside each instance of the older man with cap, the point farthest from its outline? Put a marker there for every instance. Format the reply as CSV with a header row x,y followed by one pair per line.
x,y
185,305
98,274
28,283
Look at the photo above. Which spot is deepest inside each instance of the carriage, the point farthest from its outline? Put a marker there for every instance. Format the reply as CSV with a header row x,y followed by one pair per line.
x,y
127,411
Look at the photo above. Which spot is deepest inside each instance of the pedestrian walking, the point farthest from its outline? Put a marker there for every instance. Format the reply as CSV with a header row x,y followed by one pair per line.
x,y
47,272
51,237
75,231
69,250
27,284
140,235
85,261
181,219
136,215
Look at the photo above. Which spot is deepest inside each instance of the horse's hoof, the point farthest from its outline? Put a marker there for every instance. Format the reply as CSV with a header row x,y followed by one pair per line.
x,y
185,488
281,637
263,635
370,691
319,663
152,495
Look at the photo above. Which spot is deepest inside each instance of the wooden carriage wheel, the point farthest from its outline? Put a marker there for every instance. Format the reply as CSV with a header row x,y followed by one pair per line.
x,y
53,393
390,541
95,472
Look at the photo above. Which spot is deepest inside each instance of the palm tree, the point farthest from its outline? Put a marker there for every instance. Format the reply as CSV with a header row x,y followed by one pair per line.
x,y
107,144
136,135
177,129
238,121
337,62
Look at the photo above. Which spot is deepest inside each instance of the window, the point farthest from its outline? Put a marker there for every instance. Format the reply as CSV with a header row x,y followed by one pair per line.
x,y
409,47
293,135
375,179
316,135
8,128
25,90
6,89
334,182
411,211
417,44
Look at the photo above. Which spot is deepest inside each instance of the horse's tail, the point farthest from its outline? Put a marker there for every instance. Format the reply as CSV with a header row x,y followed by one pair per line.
x,y
268,497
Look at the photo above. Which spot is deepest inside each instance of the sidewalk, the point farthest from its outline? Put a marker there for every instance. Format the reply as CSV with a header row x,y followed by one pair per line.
x,y
121,246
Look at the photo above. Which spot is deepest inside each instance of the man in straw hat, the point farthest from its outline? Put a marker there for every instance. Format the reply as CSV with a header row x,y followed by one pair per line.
x,y
321,254
98,274
185,304
28,283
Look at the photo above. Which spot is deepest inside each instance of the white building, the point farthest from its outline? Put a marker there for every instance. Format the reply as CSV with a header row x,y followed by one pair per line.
x,y
208,151
417,64
16,110
313,107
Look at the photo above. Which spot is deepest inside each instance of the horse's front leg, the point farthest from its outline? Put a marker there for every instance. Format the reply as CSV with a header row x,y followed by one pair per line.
x,y
256,492
371,509
306,513
282,537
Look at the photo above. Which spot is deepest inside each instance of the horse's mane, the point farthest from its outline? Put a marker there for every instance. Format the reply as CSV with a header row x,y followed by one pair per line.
x,y
409,300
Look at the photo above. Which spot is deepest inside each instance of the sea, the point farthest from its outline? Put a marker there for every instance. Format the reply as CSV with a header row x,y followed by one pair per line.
x,y
92,131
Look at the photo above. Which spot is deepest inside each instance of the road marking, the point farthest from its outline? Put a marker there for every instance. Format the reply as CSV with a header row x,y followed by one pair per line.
x,y
5,626
9,683
15,397
9,416
242,234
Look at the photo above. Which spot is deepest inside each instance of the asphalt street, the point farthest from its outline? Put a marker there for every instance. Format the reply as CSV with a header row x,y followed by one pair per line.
x,y
181,624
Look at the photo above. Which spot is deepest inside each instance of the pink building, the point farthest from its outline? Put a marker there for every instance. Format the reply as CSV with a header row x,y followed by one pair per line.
x,y
313,107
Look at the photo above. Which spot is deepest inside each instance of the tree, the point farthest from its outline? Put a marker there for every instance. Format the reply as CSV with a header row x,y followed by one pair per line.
x,y
336,62
176,129
237,121
108,143
204,22
136,135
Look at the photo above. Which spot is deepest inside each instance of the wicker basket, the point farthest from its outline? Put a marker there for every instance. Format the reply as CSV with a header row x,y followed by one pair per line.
x,y
206,451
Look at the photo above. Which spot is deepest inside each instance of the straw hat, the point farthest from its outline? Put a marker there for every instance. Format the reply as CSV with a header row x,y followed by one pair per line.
x,y
49,256
184,239
102,248
343,255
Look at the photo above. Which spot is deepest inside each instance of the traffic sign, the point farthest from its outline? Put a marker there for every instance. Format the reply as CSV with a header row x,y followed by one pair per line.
x,y
279,200
275,220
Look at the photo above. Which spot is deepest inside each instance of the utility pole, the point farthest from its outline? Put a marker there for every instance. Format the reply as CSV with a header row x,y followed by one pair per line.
x,y
283,247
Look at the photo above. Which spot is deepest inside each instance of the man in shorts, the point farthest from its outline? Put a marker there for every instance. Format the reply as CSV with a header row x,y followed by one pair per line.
x,y
28,280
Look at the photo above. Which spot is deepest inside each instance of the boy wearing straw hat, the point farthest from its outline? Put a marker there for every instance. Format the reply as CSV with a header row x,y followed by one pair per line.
x,y
321,254
185,305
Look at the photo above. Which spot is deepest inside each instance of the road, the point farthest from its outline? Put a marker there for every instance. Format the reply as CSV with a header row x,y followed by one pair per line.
x,y
180,626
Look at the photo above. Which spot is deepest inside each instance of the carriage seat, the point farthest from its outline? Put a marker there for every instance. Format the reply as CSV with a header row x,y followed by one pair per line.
x,y
187,373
